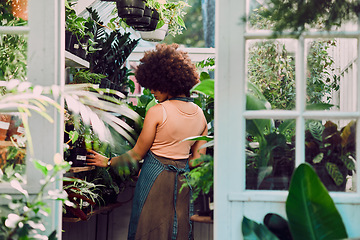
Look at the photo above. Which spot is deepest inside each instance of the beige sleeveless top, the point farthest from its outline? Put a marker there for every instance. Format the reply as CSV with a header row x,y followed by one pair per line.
x,y
176,126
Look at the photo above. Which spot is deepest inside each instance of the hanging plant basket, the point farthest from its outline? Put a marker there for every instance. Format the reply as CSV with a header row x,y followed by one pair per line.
x,y
130,8
153,23
143,21
156,35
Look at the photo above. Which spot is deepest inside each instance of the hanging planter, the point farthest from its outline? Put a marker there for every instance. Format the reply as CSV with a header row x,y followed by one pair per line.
x,y
153,23
156,35
130,8
143,21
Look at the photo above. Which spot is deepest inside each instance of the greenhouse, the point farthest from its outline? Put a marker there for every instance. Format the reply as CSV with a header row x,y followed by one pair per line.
x,y
168,119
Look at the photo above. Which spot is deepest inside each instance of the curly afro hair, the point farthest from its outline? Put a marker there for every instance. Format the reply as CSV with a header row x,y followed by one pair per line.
x,y
167,70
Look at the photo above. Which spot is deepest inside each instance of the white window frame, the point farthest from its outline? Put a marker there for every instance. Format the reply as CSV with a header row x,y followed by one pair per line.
x,y
46,67
231,200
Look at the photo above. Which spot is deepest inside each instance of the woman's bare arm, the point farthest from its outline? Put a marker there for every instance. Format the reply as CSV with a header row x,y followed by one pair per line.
x,y
146,138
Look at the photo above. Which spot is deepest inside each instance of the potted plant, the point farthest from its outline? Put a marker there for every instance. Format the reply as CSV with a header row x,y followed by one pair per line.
x,y
76,37
83,195
108,54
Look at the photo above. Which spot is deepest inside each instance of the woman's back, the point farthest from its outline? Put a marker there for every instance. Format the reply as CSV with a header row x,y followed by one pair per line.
x,y
180,120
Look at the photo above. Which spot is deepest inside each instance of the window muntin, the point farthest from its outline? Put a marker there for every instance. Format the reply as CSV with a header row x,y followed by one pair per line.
x,y
339,69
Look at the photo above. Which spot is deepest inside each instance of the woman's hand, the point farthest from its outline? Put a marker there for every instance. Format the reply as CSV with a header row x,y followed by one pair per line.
x,y
95,159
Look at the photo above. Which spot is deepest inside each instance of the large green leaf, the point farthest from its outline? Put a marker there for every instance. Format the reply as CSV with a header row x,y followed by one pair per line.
x,y
256,127
254,231
205,87
310,210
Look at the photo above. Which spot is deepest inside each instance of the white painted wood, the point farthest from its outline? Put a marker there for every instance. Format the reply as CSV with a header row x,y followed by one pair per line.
x,y
46,65
195,54
81,5
232,202
71,60
229,170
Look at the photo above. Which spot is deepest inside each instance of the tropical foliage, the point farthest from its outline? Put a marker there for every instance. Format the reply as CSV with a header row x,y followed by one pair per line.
x,y
310,211
299,16
272,68
331,152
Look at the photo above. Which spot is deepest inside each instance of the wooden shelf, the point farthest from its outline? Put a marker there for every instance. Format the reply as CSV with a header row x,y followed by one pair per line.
x,y
6,144
201,219
81,169
72,60
96,211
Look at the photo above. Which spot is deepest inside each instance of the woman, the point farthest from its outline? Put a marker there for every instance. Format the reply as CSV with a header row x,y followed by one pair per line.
x,y
159,210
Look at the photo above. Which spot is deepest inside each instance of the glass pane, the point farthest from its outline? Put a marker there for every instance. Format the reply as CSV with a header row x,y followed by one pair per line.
x,y
270,153
271,72
12,145
330,149
331,74
13,57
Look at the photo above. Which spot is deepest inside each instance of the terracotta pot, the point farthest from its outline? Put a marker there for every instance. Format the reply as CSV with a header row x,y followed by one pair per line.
x,y
19,9
4,125
16,127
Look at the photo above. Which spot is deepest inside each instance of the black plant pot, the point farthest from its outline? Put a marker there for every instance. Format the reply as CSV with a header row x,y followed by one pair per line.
x,y
202,205
68,37
77,157
81,47
130,8
109,196
143,21
76,45
153,23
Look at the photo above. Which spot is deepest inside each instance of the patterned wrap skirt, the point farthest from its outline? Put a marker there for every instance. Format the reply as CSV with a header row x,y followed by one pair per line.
x,y
160,210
